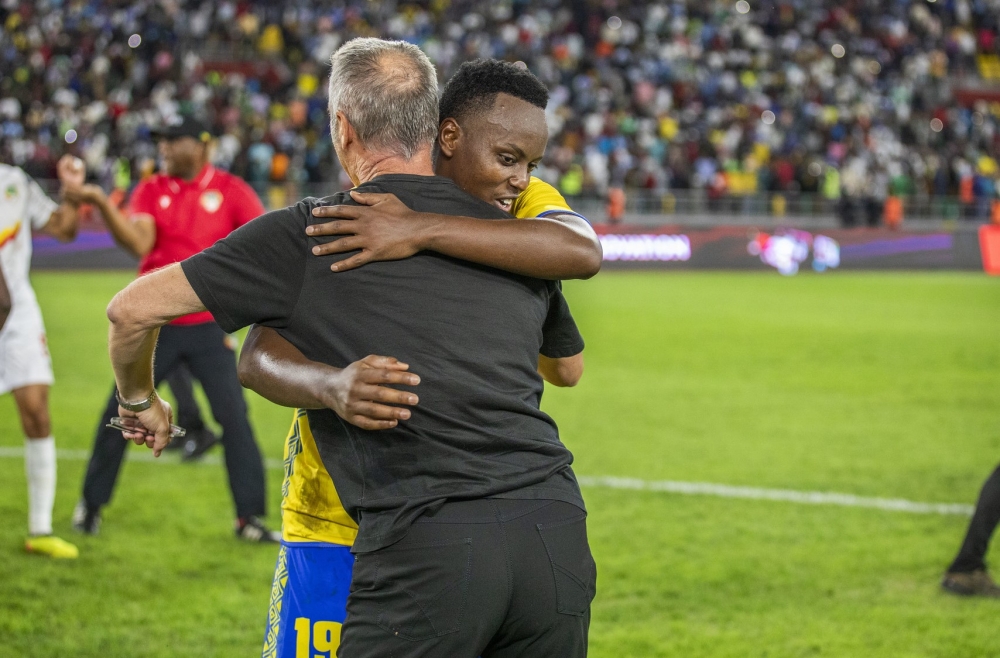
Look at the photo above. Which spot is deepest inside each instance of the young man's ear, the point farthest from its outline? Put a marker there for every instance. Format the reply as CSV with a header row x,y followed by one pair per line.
x,y
449,134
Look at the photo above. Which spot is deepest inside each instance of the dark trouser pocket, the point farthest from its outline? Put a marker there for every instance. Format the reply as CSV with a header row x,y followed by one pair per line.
x,y
419,591
572,564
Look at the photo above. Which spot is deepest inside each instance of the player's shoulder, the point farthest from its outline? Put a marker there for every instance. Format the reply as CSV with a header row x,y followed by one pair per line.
x,y
12,175
289,220
223,178
537,199
306,205
538,186
155,181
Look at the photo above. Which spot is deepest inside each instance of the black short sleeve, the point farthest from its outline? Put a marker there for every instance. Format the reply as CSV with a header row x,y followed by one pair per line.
x,y
560,336
255,274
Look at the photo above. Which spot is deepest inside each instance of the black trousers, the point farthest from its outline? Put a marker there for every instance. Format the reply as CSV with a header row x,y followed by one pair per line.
x,y
186,412
972,555
202,348
490,578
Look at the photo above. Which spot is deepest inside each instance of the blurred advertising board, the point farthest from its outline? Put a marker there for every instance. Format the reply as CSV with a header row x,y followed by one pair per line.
x,y
789,250
989,242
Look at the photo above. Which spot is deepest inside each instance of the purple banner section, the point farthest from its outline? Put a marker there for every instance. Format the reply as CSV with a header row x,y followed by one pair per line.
x,y
45,245
91,250
906,245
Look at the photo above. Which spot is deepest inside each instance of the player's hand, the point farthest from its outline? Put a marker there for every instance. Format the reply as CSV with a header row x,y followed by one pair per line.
x,y
152,426
360,393
71,170
382,228
82,193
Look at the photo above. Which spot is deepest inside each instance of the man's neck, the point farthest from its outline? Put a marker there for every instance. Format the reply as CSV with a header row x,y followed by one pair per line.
x,y
189,176
421,164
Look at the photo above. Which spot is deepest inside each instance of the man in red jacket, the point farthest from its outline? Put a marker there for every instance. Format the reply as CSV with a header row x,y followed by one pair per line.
x,y
170,217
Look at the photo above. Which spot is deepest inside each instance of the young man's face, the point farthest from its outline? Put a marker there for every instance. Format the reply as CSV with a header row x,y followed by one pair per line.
x,y
492,154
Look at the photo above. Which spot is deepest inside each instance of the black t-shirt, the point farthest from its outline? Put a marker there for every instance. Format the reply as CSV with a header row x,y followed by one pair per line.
x,y
472,333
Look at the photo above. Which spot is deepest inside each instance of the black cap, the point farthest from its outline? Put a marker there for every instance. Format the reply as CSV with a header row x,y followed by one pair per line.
x,y
184,126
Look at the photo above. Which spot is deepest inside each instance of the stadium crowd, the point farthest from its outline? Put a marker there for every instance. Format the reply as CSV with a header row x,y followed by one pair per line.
x,y
847,99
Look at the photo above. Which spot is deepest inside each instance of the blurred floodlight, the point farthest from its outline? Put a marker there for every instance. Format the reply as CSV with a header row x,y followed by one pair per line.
x,y
70,136
767,116
134,41
937,125
743,6
614,22
837,50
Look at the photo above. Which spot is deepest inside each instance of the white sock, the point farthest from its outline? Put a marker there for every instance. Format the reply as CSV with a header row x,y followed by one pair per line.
x,y
40,467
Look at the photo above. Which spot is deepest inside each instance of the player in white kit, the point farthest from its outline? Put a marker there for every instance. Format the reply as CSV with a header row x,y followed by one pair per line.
x,y
25,366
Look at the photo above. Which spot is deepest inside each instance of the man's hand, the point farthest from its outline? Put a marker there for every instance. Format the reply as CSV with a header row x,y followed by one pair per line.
x,y
71,171
83,194
152,426
382,227
359,393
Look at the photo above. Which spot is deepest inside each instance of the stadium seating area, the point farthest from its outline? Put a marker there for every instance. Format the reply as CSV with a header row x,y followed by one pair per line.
x,y
859,99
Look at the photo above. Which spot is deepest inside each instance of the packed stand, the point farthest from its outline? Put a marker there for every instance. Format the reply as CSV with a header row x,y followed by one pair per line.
x,y
848,103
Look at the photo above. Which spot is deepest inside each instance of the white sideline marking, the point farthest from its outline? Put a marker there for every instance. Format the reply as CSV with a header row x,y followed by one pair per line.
x,y
786,495
634,484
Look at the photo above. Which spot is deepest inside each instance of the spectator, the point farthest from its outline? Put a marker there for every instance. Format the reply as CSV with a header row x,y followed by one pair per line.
x,y
639,90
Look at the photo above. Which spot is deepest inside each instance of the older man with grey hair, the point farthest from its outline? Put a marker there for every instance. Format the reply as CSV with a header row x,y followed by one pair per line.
x,y
471,528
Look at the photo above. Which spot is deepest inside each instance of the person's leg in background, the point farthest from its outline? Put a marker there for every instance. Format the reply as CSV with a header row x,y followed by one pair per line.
x,y
210,356
40,468
968,575
198,438
109,447
26,372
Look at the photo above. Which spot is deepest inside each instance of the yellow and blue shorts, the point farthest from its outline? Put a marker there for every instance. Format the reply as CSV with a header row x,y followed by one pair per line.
x,y
308,600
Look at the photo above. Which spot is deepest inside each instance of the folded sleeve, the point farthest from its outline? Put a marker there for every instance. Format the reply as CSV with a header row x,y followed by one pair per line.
x,y
560,335
255,274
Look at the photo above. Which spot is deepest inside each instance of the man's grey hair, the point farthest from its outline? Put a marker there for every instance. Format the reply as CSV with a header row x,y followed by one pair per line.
x,y
388,91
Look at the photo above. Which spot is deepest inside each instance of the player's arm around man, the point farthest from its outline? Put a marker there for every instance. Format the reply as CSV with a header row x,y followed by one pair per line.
x,y
561,245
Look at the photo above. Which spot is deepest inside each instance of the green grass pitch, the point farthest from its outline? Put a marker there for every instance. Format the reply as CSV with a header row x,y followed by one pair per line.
x,y
870,384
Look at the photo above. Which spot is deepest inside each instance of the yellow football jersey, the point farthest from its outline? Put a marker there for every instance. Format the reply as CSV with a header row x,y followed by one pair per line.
x,y
311,510
537,200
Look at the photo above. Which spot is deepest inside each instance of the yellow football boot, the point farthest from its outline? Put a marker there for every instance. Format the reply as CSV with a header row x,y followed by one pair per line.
x,y
51,546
